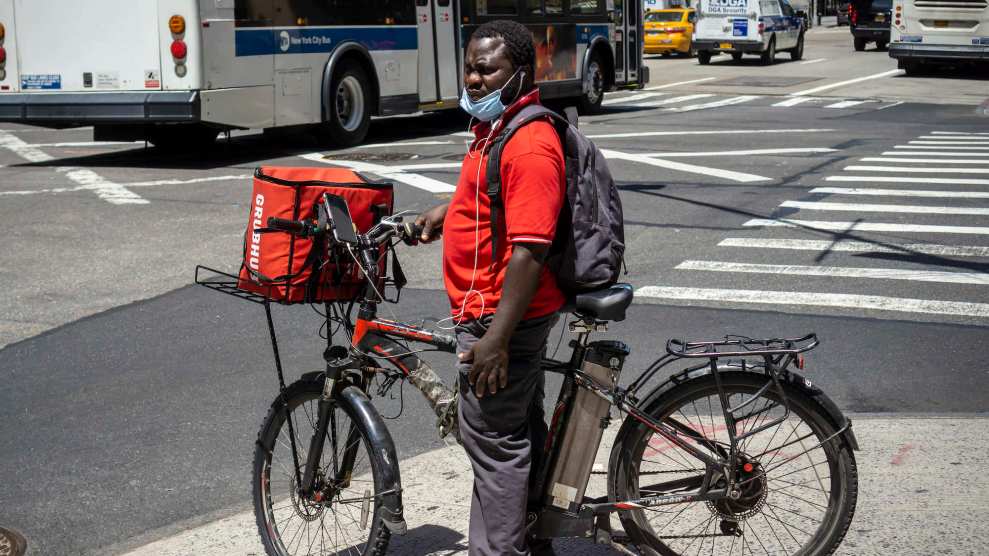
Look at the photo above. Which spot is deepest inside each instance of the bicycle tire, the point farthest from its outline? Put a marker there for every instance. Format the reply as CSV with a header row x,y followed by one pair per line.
x,y
301,399
627,465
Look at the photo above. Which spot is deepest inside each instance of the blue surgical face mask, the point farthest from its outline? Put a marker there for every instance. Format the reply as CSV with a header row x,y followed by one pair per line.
x,y
490,106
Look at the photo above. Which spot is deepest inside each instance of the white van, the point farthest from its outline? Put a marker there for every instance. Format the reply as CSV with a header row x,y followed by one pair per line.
x,y
738,27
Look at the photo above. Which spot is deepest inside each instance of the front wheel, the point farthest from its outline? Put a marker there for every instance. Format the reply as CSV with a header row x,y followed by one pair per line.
x,y
343,513
796,494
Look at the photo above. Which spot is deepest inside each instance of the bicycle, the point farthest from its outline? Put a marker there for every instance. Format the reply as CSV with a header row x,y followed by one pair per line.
x,y
738,450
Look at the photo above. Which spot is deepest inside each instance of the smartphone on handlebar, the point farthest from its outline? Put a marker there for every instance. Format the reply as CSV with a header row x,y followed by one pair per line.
x,y
341,224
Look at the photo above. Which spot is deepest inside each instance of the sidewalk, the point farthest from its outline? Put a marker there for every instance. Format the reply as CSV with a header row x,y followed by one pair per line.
x,y
923,490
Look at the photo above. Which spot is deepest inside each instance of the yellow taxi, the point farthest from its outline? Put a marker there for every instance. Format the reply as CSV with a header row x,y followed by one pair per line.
x,y
669,31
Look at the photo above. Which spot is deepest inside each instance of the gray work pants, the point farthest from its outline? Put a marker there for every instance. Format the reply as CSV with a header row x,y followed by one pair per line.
x,y
504,435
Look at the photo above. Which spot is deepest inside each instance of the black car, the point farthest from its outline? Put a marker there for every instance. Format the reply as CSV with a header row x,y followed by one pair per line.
x,y
870,22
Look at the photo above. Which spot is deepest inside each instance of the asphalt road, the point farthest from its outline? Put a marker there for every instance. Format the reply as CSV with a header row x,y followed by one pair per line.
x,y
130,399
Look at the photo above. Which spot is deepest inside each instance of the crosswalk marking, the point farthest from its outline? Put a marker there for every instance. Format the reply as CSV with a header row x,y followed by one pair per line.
x,y
408,178
954,137
959,133
901,179
716,104
794,101
924,160
848,246
848,82
940,276
673,100
949,142
704,132
847,103
795,150
941,147
932,153
678,83
910,170
860,207
901,192
680,166
819,299
846,227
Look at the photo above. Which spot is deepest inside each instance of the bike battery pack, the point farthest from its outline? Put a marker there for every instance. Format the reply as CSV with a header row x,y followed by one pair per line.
x,y
587,417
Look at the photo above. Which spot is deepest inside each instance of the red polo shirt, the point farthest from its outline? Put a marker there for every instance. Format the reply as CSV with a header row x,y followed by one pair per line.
x,y
533,187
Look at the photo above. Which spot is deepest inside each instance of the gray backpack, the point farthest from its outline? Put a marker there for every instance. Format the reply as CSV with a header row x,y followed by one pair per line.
x,y
589,248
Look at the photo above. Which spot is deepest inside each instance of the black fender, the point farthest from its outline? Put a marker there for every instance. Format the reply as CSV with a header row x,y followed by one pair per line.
x,y
347,49
609,74
383,448
806,386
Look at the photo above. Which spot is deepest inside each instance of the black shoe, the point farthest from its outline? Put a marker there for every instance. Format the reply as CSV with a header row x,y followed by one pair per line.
x,y
541,547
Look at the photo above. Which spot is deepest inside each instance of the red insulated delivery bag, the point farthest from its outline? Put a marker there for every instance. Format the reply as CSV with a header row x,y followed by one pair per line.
x,y
290,269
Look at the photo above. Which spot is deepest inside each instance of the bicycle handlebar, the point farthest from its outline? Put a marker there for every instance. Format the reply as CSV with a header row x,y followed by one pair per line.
x,y
295,227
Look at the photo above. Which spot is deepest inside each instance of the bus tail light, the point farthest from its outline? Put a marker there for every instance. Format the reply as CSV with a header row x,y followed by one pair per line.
x,y
179,49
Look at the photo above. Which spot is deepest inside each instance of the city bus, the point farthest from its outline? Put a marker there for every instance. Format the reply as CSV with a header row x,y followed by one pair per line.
x,y
179,72
939,31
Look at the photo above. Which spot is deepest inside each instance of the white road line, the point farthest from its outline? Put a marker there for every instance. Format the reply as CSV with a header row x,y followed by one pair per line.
x,y
941,147
890,105
795,150
463,133
910,170
848,82
958,133
956,137
88,144
187,182
716,104
949,143
924,160
679,83
853,301
408,178
406,144
902,192
681,167
856,246
847,103
931,153
899,179
940,276
631,98
861,207
814,61
828,225
674,100
426,166
105,189
705,132
794,101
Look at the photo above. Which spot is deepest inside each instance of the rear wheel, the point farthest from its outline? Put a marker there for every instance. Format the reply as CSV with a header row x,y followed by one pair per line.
x,y
343,514
910,67
769,55
798,51
736,56
797,493
704,57
860,44
348,106
592,93
881,45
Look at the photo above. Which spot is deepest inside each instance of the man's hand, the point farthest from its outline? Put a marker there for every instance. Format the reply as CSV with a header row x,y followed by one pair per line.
x,y
431,222
489,364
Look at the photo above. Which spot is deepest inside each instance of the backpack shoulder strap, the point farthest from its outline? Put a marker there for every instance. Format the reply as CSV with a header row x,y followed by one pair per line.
x,y
493,170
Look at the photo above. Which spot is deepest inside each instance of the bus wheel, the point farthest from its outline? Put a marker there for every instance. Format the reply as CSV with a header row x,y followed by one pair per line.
x,y
909,67
182,137
704,57
593,87
348,107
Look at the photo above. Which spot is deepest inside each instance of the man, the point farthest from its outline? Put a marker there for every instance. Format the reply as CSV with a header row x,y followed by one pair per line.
x,y
504,303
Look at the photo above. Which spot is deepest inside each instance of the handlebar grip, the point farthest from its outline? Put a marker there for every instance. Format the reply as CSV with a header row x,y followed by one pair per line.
x,y
296,227
412,233
445,342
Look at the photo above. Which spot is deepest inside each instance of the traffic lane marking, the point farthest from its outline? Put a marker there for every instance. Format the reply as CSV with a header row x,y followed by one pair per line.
x,y
850,246
941,147
847,82
704,132
932,153
682,167
861,207
679,83
924,160
949,143
749,152
901,192
716,104
674,100
848,227
154,183
415,180
848,103
795,101
818,299
959,133
939,276
912,170
109,191
814,61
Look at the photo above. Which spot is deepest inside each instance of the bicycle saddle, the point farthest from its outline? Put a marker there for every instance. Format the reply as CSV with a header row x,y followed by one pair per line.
x,y
605,304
